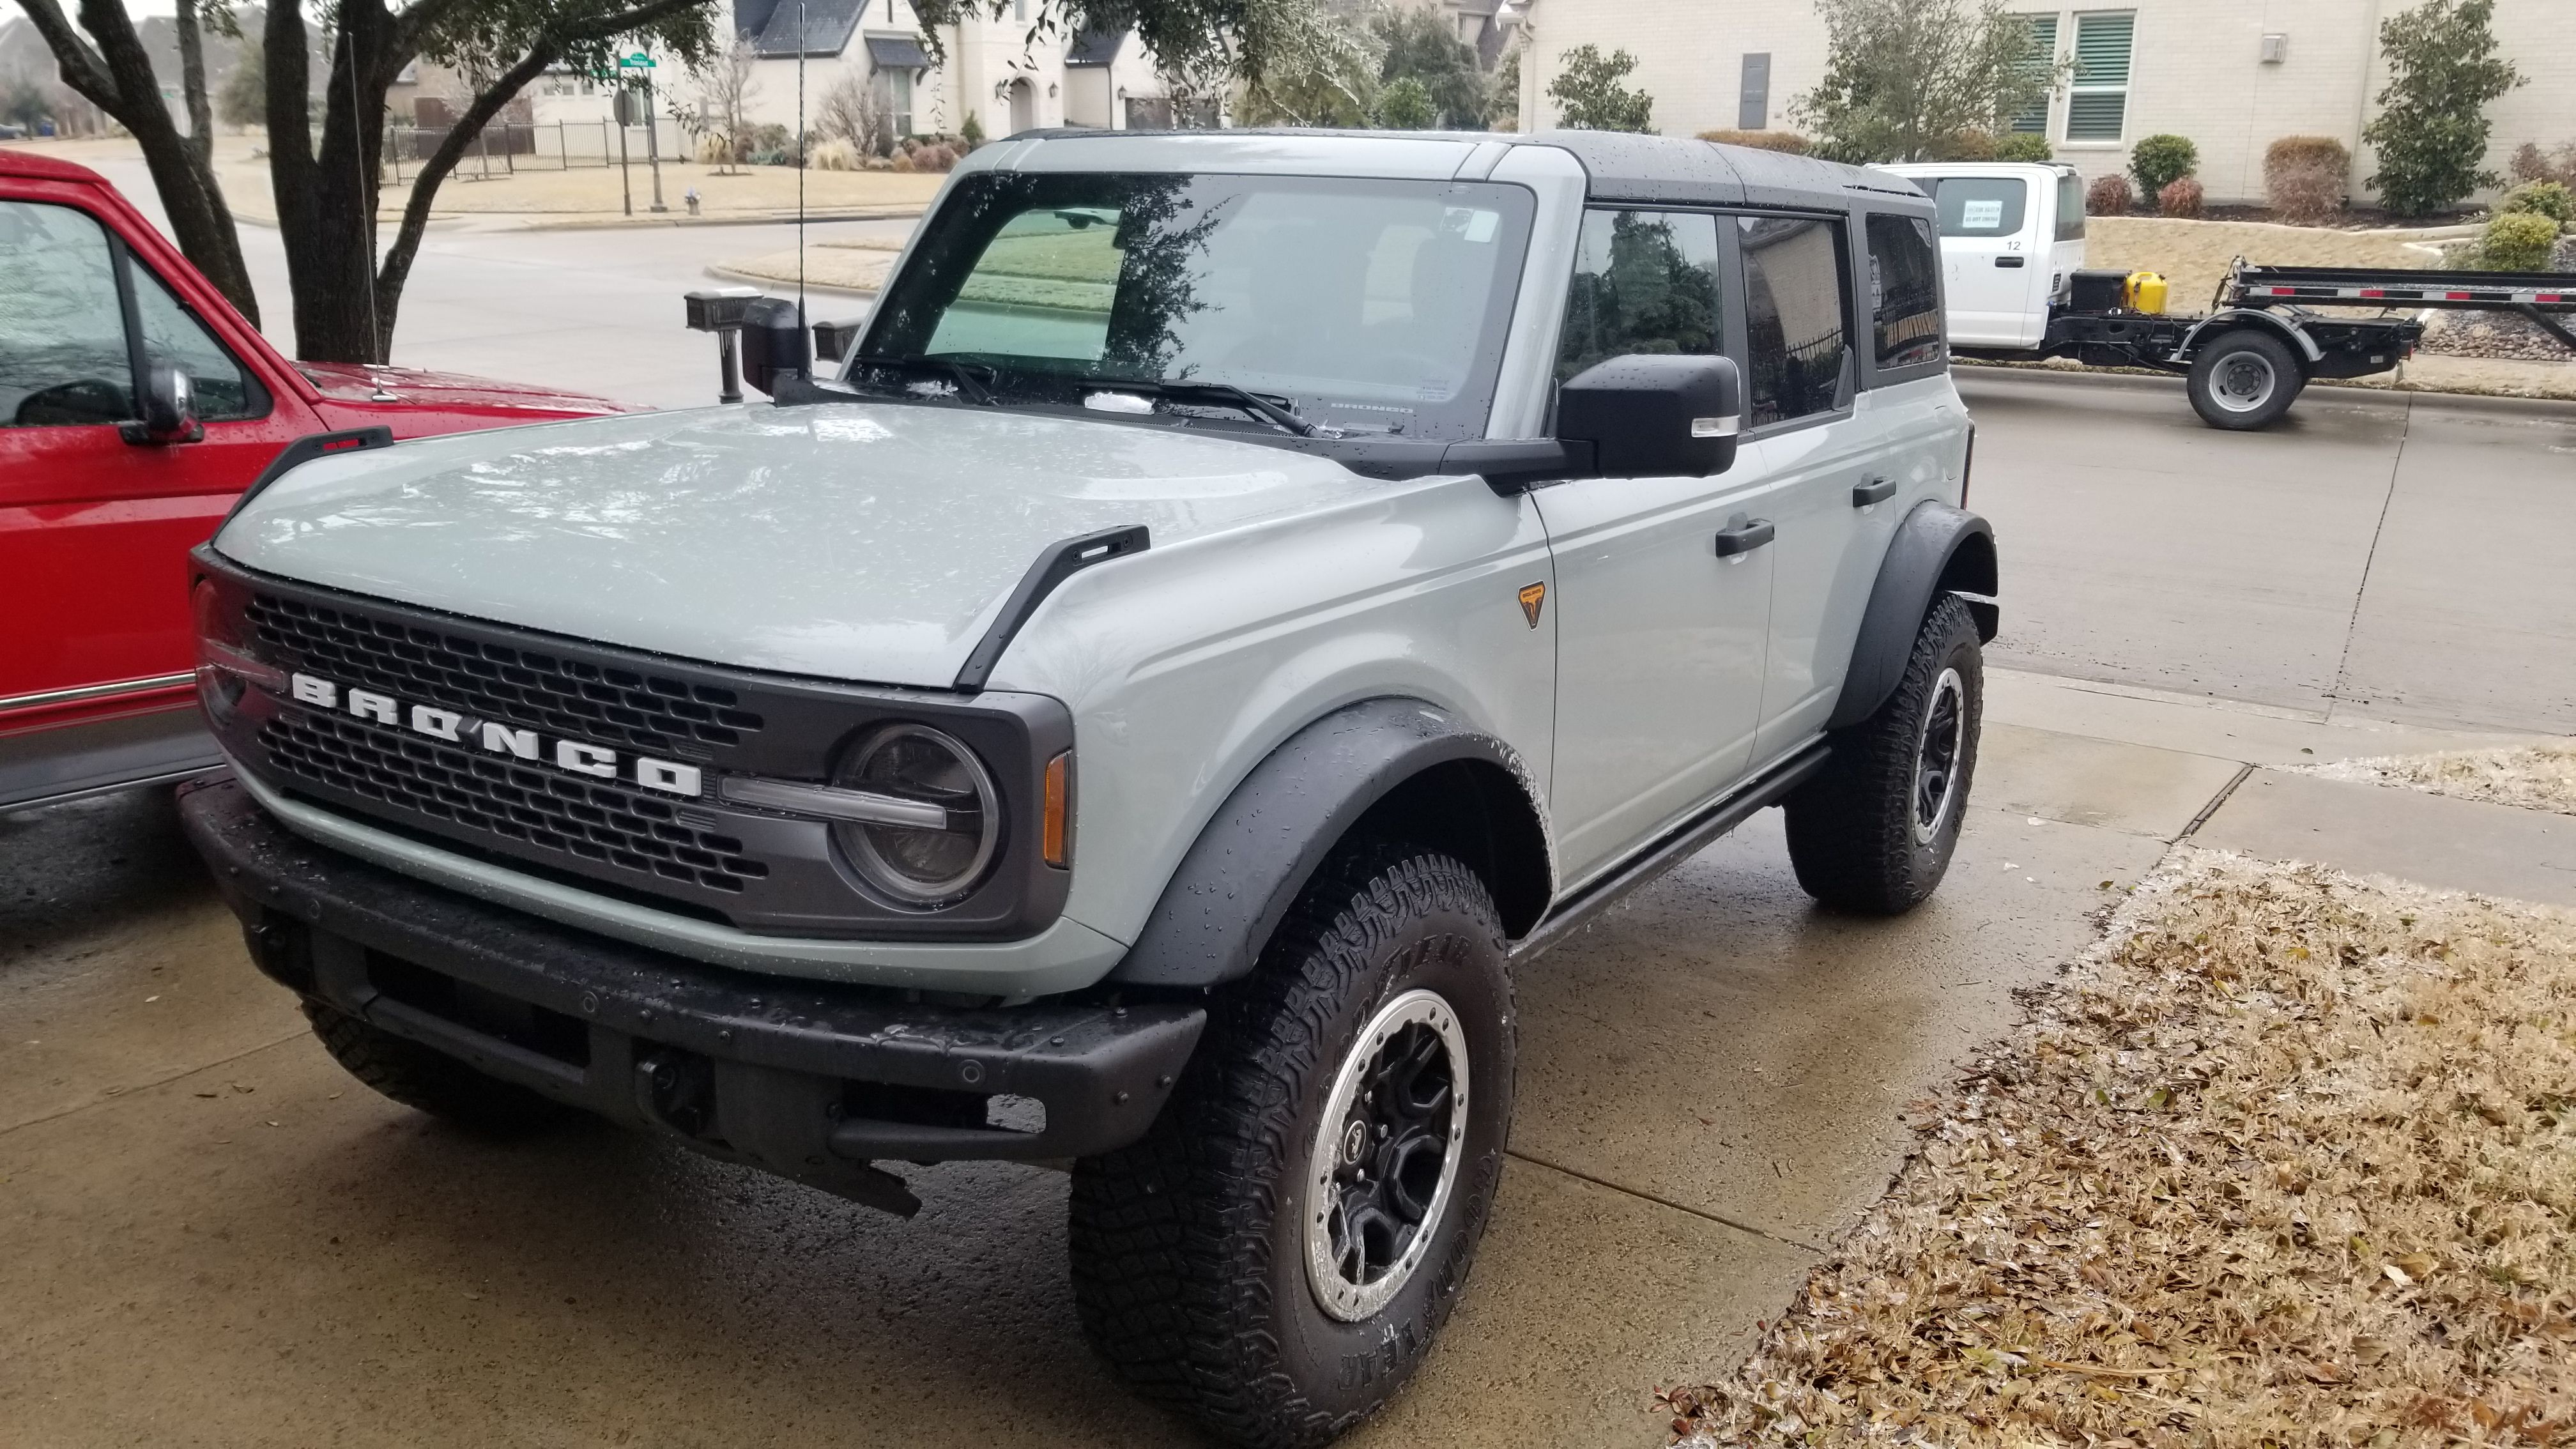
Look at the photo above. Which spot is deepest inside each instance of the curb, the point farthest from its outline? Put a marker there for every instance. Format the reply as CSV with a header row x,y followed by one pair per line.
x,y
2345,392
730,274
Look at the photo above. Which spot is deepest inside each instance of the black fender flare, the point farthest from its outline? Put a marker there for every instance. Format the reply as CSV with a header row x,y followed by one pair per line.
x,y
1256,854
1937,549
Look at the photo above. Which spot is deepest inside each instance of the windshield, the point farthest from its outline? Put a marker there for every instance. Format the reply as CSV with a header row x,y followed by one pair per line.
x,y
1357,306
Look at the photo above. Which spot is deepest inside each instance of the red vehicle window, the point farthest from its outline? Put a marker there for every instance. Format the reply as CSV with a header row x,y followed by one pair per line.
x,y
63,361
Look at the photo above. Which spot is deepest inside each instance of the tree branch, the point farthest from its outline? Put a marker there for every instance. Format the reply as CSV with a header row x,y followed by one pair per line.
x,y
461,133
81,66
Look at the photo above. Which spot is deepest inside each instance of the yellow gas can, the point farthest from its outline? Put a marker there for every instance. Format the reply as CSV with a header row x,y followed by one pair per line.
x,y
2144,292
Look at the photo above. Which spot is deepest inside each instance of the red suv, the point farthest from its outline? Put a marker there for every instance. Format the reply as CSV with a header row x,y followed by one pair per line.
x,y
135,405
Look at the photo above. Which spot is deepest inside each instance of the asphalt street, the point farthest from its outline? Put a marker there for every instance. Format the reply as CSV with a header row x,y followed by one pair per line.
x,y
217,1238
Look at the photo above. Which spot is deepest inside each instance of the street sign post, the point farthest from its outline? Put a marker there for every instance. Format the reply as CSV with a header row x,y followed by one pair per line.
x,y
652,125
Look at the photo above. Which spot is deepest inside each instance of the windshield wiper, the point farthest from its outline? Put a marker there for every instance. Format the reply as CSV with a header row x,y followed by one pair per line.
x,y
949,367
1183,390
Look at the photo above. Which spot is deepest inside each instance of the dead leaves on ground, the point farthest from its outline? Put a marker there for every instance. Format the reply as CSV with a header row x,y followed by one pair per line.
x,y
2291,1160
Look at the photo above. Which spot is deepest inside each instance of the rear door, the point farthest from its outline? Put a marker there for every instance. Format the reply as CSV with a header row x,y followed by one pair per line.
x,y
1847,473
1660,639
1997,269
95,530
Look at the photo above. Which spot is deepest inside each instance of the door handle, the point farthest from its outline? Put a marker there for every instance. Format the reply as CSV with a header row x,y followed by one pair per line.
x,y
2008,261
1876,490
1742,536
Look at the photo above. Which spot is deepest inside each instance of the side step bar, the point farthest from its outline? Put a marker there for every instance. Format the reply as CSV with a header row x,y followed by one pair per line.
x,y
1684,841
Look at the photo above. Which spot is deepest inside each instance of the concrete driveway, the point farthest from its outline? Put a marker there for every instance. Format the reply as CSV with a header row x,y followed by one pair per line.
x,y
216,1238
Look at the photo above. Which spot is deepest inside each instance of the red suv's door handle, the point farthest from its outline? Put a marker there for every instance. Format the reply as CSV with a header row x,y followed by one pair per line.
x,y
1742,535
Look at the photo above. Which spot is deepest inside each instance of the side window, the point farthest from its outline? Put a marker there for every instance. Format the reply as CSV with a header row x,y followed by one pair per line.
x,y
172,335
1644,281
1983,205
62,336
1904,291
1796,324
2070,207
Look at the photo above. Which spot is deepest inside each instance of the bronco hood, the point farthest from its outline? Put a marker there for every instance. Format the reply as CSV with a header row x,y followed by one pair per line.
x,y
861,542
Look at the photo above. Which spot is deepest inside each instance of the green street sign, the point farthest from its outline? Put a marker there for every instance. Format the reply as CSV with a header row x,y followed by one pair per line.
x,y
638,61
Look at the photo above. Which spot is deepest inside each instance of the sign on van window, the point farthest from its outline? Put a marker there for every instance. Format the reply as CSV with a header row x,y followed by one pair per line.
x,y
1981,205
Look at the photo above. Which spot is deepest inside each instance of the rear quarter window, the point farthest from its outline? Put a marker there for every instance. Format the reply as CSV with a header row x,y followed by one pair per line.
x,y
1982,205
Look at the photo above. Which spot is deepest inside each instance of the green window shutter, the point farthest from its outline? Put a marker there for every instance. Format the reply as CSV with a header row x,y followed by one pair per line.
x,y
2043,55
2097,104
2102,49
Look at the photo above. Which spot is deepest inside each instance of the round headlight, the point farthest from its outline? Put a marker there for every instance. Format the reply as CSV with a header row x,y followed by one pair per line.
x,y
933,863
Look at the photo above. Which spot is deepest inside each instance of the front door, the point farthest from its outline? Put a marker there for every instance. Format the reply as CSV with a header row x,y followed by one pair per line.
x,y
1660,639
1998,268
95,530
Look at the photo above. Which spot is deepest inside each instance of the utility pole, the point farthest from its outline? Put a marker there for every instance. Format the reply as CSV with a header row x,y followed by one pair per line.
x,y
653,140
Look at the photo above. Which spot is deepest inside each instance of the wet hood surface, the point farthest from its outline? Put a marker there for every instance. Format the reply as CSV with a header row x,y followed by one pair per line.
x,y
861,542
360,385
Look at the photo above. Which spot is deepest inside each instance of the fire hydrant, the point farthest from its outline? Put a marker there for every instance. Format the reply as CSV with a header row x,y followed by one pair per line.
x,y
692,199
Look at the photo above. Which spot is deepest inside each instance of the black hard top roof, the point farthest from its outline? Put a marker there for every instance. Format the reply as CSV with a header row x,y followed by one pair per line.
x,y
1665,170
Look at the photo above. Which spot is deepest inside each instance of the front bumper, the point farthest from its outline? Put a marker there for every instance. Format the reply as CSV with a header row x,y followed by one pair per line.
x,y
809,1079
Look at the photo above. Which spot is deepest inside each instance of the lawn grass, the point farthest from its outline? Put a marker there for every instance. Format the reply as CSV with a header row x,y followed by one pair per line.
x,y
2290,1160
2535,777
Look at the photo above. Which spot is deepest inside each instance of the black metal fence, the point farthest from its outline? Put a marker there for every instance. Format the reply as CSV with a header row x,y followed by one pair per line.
x,y
507,147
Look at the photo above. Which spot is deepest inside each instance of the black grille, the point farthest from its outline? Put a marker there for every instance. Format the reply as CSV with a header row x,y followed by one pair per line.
x,y
650,713
594,820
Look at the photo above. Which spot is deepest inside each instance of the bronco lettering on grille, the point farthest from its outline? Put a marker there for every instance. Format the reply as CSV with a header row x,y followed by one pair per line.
x,y
668,776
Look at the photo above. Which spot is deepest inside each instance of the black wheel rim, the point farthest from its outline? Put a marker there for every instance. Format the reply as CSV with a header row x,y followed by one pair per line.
x,y
1937,757
1385,1156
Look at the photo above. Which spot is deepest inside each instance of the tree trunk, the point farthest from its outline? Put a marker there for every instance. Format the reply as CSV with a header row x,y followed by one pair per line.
x,y
326,200
192,84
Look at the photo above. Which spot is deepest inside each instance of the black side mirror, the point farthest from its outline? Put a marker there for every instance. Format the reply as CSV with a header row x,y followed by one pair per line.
x,y
774,344
169,408
1650,415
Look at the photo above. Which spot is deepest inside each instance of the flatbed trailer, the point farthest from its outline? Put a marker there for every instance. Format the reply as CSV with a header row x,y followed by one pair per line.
x,y
2262,342
2015,289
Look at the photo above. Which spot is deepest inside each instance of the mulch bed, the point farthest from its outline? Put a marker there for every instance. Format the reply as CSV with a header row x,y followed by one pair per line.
x,y
2289,1160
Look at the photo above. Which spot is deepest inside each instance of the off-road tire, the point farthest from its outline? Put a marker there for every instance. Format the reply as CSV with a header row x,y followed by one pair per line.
x,y
1853,834
2244,346
1188,1248
430,1081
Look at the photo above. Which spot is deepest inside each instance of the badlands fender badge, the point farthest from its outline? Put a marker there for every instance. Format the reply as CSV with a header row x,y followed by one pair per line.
x,y
668,776
1533,596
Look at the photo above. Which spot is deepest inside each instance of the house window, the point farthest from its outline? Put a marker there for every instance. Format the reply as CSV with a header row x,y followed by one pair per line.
x,y
1753,111
2039,60
2097,103
897,90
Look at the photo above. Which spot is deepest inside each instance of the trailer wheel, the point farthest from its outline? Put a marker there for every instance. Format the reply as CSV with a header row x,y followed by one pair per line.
x,y
2245,379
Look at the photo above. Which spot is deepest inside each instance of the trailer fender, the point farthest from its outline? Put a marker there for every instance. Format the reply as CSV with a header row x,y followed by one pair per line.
x,y
2290,331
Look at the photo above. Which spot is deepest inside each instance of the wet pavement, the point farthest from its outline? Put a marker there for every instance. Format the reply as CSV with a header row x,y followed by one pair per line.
x,y
218,1238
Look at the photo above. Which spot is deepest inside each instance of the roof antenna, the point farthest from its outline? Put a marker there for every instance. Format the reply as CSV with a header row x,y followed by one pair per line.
x,y
376,339
803,44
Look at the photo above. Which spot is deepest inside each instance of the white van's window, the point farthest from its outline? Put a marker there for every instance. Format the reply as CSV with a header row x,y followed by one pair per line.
x,y
2070,206
1982,205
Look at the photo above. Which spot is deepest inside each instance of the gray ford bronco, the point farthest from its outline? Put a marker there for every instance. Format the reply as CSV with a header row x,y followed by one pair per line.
x,y
1241,598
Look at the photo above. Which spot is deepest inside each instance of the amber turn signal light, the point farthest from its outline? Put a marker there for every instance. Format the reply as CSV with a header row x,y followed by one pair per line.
x,y
1055,836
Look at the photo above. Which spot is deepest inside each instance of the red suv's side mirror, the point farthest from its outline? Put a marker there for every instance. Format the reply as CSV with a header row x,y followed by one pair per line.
x,y
169,408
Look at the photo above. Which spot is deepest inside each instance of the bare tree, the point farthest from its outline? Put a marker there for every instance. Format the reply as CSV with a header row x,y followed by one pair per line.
x,y
725,81
855,109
